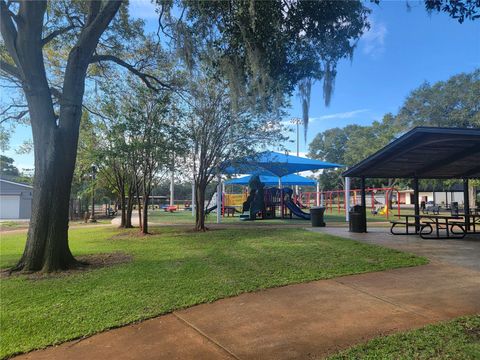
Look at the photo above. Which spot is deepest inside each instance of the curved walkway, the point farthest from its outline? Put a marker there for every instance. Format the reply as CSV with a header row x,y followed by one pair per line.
x,y
303,321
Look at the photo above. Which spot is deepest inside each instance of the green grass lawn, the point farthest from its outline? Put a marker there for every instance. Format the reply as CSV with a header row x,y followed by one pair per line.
x,y
171,269
185,217
458,339
13,225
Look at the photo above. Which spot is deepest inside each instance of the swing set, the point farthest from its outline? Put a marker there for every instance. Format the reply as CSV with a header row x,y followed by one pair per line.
x,y
335,200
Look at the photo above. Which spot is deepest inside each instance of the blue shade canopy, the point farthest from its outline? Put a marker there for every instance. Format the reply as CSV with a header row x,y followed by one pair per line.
x,y
287,180
274,164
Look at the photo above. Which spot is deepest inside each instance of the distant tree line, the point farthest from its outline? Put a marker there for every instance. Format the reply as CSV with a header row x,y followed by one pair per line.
x,y
451,103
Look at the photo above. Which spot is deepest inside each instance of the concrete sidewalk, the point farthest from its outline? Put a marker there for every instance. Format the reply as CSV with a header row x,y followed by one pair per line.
x,y
302,321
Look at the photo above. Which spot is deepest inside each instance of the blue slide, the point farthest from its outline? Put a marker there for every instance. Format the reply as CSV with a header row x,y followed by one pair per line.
x,y
296,210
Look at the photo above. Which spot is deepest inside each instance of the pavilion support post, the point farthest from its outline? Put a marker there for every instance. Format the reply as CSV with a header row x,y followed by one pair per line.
x,y
347,199
416,204
318,194
282,204
466,204
363,202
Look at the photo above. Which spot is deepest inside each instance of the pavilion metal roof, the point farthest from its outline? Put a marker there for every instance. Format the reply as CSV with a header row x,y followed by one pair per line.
x,y
425,153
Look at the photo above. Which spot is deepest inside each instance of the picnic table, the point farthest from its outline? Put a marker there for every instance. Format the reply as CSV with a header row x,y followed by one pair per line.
x,y
434,226
406,222
431,227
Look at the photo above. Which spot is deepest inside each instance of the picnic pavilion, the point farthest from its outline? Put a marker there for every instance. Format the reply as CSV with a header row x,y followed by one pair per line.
x,y
425,153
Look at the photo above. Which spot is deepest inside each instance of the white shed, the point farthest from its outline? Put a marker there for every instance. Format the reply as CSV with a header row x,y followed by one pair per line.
x,y
15,200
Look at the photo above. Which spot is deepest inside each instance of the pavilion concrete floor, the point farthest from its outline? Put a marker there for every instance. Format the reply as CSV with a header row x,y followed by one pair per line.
x,y
303,321
465,252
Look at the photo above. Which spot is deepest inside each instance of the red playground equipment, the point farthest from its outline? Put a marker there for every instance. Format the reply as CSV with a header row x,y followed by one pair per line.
x,y
378,200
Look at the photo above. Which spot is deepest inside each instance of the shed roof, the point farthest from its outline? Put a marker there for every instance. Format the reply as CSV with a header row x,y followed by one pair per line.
x,y
15,184
425,152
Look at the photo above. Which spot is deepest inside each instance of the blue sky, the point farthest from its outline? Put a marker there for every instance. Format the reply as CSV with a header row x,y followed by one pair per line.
x,y
401,50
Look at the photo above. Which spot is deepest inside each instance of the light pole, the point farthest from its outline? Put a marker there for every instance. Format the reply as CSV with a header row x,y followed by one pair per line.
x,y
92,215
297,121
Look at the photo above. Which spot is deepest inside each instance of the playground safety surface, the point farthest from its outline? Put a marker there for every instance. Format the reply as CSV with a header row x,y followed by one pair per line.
x,y
301,321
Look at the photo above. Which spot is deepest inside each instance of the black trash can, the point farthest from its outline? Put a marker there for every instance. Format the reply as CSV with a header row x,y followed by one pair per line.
x,y
454,208
316,216
357,222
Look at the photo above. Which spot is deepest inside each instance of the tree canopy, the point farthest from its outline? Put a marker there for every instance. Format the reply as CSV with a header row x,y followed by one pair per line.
x,y
450,103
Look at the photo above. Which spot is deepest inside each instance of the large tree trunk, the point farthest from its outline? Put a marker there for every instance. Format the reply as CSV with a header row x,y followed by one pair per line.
x,y
200,189
47,242
55,137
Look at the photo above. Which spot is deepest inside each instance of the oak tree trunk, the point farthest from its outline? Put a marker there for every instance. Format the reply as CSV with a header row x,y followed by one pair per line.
x,y
139,204
130,201
123,205
145,213
200,189
47,242
55,136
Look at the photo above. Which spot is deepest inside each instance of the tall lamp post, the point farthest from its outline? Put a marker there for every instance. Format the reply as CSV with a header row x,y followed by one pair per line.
x,y
297,121
92,214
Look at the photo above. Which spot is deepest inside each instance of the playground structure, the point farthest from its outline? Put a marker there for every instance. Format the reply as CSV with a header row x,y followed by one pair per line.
x,y
378,200
266,163
265,202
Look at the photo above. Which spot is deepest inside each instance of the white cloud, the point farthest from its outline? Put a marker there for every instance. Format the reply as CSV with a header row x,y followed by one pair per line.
x,y
342,115
143,9
373,40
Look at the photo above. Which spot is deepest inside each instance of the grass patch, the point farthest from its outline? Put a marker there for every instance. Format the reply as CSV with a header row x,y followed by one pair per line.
x,y
458,339
13,225
171,269
182,217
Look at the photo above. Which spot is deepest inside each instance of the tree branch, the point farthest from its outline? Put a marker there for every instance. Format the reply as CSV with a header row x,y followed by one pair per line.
x,y
9,32
19,116
93,10
56,93
101,116
56,33
10,69
149,80
12,106
97,24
